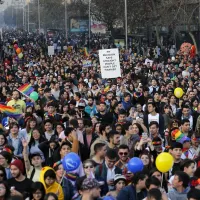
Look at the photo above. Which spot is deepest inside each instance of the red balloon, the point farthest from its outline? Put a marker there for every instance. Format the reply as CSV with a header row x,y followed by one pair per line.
x,y
15,46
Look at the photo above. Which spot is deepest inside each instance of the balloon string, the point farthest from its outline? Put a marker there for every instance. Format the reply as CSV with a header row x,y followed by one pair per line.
x,y
162,180
61,181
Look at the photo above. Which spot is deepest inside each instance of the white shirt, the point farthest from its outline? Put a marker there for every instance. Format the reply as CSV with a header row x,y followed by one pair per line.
x,y
110,176
152,118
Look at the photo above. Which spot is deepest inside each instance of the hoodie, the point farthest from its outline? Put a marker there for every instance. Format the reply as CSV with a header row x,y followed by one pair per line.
x,y
55,187
173,194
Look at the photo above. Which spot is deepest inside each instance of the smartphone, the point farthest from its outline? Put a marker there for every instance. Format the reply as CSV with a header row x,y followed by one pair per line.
x,y
144,135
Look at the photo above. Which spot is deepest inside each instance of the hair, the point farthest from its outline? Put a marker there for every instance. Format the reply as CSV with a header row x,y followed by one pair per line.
x,y
183,177
193,194
153,171
140,128
13,124
4,173
37,186
123,146
89,161
50,173
111,154
126,126
185,121
102,128
28,124
5,138
152,103
154,123
98,147
112,133
7,193
59,124
74,123
155,193
152,181
78,94
68,130
138,176
32,140
51,194
185,106
147,153
186,163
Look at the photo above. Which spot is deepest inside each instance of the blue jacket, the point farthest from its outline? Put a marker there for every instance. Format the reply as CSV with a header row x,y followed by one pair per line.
x,y
129,193
68,189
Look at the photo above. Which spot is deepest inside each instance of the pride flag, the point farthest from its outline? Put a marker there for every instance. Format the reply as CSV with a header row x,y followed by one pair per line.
x,y
10,111
26,89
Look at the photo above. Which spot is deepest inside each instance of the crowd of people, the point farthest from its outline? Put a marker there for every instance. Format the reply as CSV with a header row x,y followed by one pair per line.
x,y
105,121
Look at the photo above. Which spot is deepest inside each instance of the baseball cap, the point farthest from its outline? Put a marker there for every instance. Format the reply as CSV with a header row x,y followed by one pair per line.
x,y
90,183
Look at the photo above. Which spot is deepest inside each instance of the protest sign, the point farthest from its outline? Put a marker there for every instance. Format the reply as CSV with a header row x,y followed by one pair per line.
x,y
109,61
87,63
50,50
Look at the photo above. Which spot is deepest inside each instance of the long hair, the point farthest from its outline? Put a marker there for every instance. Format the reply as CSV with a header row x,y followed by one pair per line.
x,y
32,140
4,173
38,186
28,124
7,194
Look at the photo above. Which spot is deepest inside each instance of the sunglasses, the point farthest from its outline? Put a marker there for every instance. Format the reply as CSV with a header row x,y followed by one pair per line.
x,y
89,166
123,153
1,175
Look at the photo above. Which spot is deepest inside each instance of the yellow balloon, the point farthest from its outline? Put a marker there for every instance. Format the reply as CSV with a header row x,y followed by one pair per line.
x,y
164,162
178,92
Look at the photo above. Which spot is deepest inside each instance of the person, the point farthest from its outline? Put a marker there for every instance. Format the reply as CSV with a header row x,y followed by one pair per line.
x,y
107,170
100,152
154,194
114,139
119,183
34,168
3,176
193,194
90,189
135,191
17,103
37,191
154,116
48,179
180,186
19,184
5,160
68,188
51,196
4,190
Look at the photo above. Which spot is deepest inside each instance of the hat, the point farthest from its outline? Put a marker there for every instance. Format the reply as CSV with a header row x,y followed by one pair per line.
x,y
81,104
90,183
119,177
19,165
35,154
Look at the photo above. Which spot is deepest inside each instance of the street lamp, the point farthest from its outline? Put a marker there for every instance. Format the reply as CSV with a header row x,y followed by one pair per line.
x,y
89,22
39,15
66,18
126,25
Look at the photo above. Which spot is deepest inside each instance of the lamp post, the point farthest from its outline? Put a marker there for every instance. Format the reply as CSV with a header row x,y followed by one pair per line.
x,y
39,15
126,25
66,19
28,15
89,22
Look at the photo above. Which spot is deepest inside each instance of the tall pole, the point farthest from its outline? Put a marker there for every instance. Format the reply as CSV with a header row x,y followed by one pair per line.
x,y
28,15
39,16
89,22
66,19
126,26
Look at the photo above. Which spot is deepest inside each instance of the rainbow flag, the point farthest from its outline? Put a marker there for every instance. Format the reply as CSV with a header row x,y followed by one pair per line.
x,y
26,89
10,111
86,52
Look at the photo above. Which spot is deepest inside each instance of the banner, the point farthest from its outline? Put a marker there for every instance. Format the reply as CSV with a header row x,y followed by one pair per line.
x,y
78,25
109,61
87,63
50,50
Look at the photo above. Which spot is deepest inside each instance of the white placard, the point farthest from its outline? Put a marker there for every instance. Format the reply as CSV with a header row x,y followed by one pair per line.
x,y
149,61
50,50
109,61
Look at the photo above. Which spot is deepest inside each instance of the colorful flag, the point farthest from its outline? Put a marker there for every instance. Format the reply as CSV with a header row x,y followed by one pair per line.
x,y
10,111
26,89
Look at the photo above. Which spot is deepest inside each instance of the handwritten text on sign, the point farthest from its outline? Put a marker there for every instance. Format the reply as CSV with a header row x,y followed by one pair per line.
x,y
109,61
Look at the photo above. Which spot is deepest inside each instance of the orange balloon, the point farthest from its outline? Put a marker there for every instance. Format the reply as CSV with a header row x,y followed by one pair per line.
x,y
18,51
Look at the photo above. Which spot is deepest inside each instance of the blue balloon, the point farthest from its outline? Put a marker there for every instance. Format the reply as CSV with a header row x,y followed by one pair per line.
x,y
71,162
135,165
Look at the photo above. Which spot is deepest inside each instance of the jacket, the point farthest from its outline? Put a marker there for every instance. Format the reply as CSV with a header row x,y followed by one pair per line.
x,y
101,171
68,189
55,187
173,194
129,193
